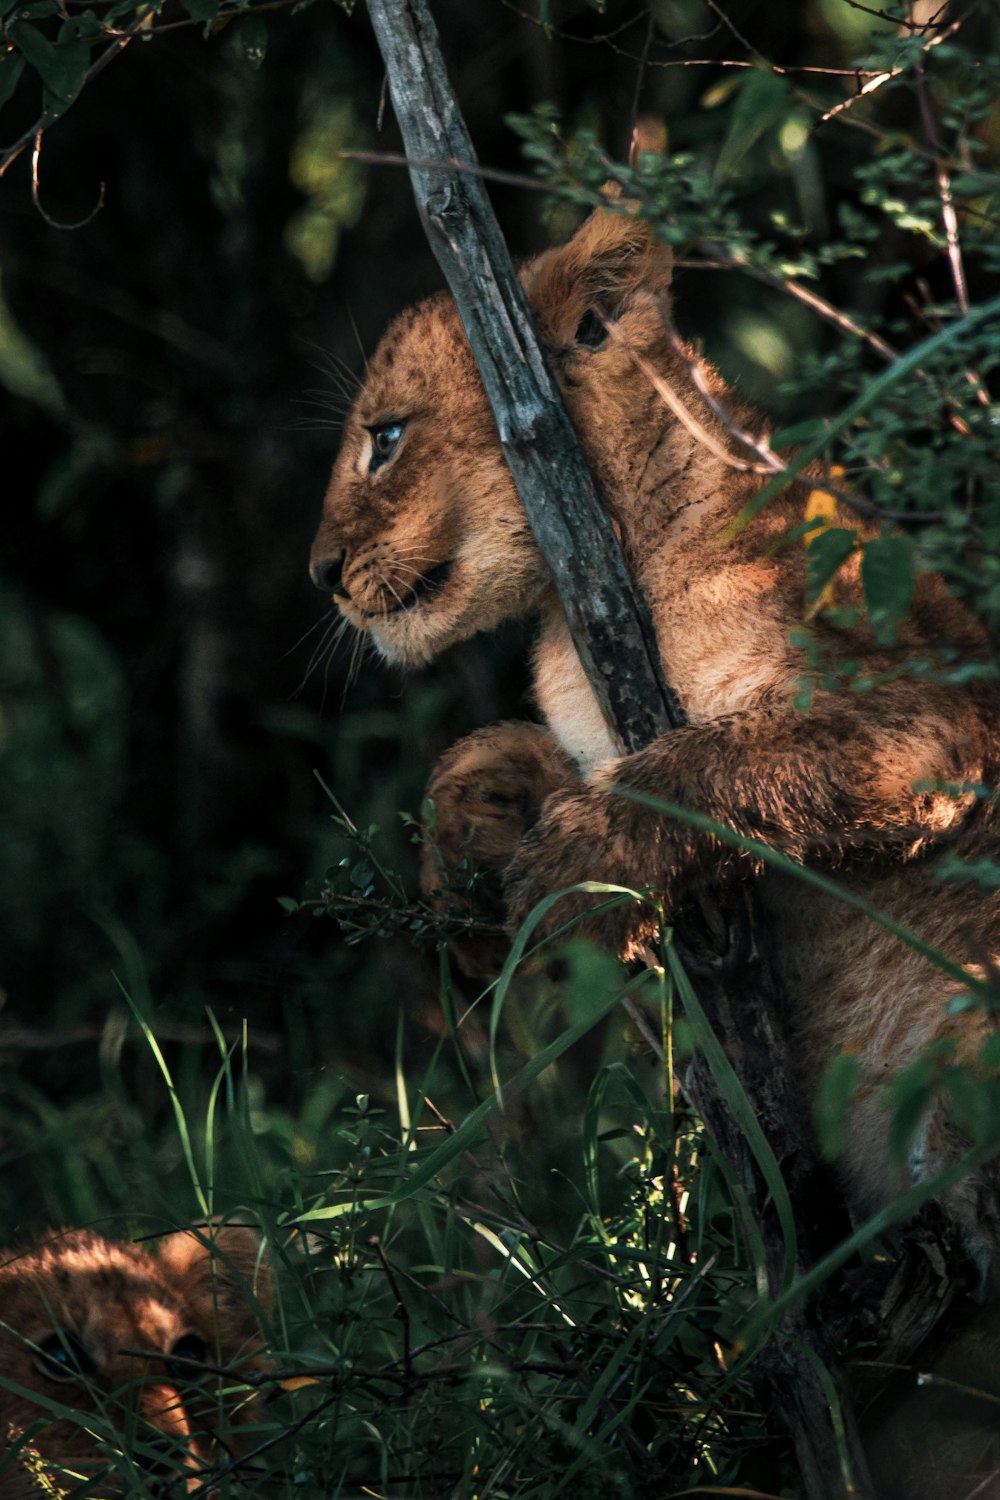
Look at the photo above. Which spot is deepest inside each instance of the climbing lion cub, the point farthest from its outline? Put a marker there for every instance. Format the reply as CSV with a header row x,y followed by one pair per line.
x,y
424,542
121,1335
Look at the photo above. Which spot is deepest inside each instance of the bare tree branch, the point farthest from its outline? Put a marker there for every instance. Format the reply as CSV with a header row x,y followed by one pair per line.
x,y
612,631
608,620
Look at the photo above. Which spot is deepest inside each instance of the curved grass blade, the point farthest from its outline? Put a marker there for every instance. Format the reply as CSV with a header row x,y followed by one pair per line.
x,y
731,1090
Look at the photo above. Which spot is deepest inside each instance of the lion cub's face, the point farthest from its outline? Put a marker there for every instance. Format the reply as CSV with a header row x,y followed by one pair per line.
x,y
121,1334
423,539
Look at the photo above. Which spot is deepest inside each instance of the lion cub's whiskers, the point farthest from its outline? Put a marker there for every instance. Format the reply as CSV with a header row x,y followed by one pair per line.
x,y
324,649
324,620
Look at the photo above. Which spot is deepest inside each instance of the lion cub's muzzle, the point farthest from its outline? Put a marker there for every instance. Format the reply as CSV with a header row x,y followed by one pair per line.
x,y
376,586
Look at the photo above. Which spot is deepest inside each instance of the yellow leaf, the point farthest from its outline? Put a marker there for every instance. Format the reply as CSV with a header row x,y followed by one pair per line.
x,y
822,506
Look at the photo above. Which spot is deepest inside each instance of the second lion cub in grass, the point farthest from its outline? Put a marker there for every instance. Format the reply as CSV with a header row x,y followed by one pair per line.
x,y
424,542
121,1335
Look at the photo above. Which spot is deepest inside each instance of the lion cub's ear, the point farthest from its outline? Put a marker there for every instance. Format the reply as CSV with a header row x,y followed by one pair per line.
x,y
611,264
220,1273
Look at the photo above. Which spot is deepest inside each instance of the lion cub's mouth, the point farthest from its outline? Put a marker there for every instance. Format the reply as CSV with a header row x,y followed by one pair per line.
x,y
425,587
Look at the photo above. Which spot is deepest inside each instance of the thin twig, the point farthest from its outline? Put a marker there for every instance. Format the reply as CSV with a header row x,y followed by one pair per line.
x,y
877,81
605,38
640,72
700,433
144,23
446,923
402,1311
726,259
22,1039
768,459
730,26
643,1027
54,223
445,164
949,219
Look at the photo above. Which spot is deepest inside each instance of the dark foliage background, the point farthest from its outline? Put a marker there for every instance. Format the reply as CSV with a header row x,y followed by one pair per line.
x,y
172,704
165,685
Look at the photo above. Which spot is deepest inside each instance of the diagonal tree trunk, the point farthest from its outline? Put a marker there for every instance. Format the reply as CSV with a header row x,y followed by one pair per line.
x,y
612,631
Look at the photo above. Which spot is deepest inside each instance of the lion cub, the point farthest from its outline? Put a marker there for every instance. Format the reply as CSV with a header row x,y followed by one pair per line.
x,y
122,1336
424,542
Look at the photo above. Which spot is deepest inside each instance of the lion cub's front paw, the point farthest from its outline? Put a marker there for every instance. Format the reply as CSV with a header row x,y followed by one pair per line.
x,y
487,792
583,835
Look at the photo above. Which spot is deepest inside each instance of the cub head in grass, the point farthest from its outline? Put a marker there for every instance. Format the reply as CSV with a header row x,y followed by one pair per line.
x,y
121,1364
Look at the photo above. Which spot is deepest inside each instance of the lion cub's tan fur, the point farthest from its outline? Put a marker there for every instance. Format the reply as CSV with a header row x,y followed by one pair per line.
x,y
120,1310
431,544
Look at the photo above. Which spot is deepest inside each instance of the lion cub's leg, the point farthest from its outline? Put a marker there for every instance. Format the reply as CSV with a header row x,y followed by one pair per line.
x,y
487,791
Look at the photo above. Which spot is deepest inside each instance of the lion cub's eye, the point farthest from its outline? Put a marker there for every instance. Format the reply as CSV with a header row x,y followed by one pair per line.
x,y
63,1357
385,441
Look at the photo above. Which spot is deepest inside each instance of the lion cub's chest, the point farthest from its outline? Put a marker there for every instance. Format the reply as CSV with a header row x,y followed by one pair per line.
x,y
723,644
567,702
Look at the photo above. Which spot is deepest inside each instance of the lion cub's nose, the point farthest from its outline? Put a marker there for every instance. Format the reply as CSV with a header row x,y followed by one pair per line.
x,y
328,576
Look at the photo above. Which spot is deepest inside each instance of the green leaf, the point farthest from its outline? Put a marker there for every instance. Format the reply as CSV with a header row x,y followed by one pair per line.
x,y
11,68
591,974
252,33
802,432
974,1105
887,577
984,873
832,1106
761,102
974,184
62,65
911,1093
202,10
37,49
24,370
873,393
36,10
472,1129
825,556
68,75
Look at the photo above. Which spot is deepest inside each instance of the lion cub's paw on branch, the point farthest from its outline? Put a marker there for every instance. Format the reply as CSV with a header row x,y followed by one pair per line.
x,y
487,791
123,1334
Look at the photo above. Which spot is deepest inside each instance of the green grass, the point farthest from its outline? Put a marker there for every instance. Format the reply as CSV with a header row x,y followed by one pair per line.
x,y
529,1294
